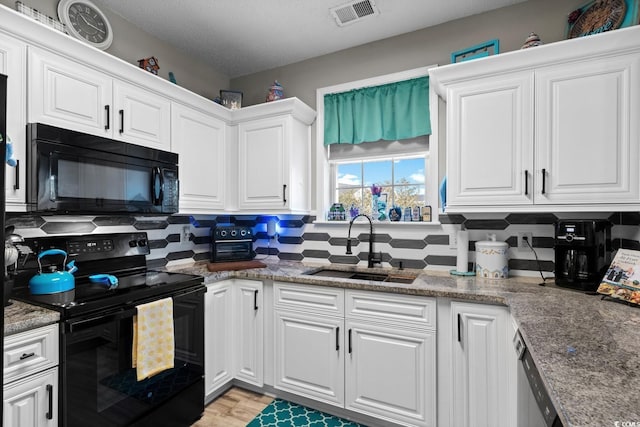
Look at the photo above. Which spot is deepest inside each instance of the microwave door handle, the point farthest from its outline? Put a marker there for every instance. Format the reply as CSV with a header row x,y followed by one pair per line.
x,y
156,175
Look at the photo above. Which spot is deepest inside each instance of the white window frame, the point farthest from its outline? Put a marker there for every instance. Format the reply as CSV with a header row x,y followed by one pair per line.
x,y
324,184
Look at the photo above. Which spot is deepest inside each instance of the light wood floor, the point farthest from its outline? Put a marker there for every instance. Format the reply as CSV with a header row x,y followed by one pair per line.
x,y
235,408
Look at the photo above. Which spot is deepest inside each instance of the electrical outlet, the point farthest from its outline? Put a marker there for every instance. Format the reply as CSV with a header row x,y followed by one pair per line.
x,y
523,238
453,240
186,234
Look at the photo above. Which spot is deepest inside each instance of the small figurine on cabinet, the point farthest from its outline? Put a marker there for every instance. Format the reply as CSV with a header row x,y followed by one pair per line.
x,y
531,41
275,92
150,64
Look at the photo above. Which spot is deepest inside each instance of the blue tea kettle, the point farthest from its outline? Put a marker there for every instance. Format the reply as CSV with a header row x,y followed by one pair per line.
x,y
54,281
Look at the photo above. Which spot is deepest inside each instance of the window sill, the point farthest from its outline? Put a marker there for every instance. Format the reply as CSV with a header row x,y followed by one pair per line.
x,y
379,224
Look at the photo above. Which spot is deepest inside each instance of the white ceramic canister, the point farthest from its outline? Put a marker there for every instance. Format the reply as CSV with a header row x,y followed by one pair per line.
x,y
492,259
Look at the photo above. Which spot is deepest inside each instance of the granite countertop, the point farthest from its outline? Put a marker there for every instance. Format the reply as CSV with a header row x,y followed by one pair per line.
x,y
20,316
587,349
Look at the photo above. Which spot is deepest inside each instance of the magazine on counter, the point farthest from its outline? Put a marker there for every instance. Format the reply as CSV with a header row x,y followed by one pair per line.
x,y
622,279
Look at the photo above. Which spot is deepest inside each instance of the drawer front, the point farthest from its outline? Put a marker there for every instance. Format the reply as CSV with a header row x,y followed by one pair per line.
x,y
309,298
378,306
28,352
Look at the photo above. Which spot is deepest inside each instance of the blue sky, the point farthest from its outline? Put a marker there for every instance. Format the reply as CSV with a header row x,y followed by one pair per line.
x,y
380,171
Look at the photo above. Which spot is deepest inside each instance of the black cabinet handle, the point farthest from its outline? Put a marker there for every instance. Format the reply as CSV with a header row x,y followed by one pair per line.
x,y
544,179
284,193
107,110
459,326
49,414
337,338
526,182
255,299
121,112
16,186
27,355
350,349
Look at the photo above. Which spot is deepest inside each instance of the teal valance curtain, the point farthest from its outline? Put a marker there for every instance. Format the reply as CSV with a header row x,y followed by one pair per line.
x,y
391,112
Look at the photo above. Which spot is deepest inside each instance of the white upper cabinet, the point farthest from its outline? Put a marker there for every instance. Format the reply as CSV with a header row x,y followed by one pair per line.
x,y
490,141
274,157
143,117
256,159
587,139
67,94
13,57
547,128
199,139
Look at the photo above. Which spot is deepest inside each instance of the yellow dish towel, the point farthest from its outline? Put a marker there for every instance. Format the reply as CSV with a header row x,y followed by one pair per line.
x,y
153,339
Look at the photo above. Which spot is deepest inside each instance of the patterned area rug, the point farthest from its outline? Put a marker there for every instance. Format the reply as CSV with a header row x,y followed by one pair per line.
x,y
281,413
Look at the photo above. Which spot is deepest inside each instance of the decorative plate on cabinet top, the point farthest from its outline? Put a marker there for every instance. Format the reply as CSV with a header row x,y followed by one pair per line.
x,y
599,16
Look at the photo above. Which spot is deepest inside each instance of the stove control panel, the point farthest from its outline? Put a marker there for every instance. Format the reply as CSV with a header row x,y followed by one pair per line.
x,y
93,246
89,246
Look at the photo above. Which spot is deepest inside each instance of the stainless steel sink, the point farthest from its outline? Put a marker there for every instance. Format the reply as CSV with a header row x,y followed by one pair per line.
x,y
364,275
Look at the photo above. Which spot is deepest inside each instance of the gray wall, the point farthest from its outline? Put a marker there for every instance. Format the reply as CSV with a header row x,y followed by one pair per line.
x,y
131,43
511,25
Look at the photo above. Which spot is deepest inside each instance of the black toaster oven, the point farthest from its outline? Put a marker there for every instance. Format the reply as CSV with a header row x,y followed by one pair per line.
x,y
231,243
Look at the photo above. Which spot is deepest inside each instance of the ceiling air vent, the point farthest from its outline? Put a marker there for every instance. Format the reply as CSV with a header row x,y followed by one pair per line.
x,y
354,11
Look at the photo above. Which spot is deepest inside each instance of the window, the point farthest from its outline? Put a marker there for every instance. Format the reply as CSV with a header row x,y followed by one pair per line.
x,y
407,169
402,180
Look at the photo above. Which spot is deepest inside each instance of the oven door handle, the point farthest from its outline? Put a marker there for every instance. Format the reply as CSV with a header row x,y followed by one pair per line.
x,y
78,325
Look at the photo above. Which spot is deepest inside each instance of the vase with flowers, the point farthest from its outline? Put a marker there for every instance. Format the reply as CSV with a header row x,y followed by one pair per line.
x,y
378,203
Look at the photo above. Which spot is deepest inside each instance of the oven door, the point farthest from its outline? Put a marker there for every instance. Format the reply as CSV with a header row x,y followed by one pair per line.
x,y
99,386
74,179
232,250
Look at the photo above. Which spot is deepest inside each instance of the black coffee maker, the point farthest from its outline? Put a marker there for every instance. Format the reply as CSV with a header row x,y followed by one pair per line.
x,y
583,253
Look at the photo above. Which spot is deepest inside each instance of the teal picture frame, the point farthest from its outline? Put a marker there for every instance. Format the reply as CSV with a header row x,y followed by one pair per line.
x,y
490,47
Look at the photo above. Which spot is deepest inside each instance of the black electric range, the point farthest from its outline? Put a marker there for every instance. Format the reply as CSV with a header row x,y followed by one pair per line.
x,y
121,255
97,376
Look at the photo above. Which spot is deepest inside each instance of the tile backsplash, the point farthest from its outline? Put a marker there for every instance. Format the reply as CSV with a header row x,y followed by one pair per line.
x,y
422,246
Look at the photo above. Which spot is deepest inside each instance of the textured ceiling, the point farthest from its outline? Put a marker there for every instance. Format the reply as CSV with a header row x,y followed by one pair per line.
x,y
239,37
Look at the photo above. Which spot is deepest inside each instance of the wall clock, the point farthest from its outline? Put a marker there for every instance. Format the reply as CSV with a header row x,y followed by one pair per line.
x,y
601,15
86,22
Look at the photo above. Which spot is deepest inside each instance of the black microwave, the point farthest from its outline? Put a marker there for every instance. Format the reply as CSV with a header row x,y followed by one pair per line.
x,y
73,172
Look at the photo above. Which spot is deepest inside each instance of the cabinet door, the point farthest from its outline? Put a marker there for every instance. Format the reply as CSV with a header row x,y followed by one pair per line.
x,y
587,132
141,117
391,372
33,401
199,139
249,333
13,59
218,336
263,163
480,381
490,141
67,94
309,356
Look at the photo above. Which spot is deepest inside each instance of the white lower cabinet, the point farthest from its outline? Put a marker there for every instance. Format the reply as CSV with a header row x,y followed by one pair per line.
x,y
31,378
309,355
32,401
482,387
390,373
369,352
218,336
249,335
391,357
233,333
